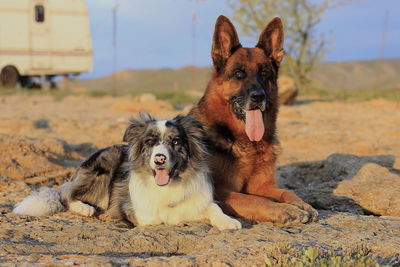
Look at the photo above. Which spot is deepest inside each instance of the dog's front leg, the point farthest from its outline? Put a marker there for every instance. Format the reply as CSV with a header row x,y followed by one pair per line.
x,y
171,216
81,208
260,209
198,207
286,196
219,219
263,184
184,211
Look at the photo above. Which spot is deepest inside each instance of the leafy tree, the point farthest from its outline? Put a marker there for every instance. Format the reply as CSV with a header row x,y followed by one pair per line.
x,y
303,47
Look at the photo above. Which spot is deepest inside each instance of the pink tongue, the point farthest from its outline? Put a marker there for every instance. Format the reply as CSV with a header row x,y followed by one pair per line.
x,y
162,177
254,125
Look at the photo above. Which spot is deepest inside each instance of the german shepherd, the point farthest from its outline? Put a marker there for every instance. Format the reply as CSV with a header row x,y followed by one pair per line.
x,y
239,110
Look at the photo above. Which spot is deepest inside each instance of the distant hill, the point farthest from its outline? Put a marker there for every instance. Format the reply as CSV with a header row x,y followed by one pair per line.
x,y
352,75
153,80
359,75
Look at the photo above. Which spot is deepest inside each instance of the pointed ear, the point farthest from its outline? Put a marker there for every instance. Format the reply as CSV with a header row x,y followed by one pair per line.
x,y
271,40
196,137
225,42
137,127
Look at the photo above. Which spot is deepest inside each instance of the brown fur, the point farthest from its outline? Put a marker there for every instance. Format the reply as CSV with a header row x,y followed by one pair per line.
x,y
244,171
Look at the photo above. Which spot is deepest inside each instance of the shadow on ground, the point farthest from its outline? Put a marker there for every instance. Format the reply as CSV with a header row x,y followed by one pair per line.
x,y
346,183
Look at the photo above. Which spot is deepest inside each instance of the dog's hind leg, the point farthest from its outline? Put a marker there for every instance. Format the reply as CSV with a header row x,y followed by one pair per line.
x,y
81,208
93,180
121,204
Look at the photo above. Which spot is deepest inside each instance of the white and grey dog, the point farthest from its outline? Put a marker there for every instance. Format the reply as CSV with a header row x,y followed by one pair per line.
x,y
161,176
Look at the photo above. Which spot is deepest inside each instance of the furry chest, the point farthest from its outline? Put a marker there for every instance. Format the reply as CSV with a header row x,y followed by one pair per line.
x,y
150,200
256,152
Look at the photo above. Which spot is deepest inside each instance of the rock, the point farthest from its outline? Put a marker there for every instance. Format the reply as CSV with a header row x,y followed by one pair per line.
x,y
316,181
143,98
287,90
396,164
374,188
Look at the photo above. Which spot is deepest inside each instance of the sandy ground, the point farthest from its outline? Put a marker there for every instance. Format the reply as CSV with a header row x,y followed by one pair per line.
x,y
42,140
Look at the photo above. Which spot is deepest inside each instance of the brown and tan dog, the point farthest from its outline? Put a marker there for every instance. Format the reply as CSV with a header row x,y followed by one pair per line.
x,y
239,110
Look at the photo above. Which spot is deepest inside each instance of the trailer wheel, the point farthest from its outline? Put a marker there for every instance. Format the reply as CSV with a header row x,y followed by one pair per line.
x,y
9,77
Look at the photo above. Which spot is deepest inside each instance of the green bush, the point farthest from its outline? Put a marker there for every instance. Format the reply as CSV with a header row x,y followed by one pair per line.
x,y
175,98
283,255
351,95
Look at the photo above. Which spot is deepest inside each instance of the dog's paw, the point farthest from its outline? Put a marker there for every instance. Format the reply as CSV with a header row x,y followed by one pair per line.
x,y
291,215
168,216
227,223
81,208
312,213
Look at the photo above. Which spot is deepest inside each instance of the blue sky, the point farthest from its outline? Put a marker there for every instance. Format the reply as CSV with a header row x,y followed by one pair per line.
x,y
158,33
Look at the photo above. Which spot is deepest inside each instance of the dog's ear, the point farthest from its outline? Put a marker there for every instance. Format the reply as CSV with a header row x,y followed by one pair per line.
x,y
271,40
196,136
137,127
225,42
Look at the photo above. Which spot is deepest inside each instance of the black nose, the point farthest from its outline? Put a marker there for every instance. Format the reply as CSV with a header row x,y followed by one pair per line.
x,y
257,95
160,159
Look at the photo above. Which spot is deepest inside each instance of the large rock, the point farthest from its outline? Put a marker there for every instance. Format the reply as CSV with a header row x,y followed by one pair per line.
x,y
374,188
287,90
343,182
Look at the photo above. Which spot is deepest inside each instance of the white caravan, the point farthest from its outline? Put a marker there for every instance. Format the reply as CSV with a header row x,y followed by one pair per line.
x,y
43,38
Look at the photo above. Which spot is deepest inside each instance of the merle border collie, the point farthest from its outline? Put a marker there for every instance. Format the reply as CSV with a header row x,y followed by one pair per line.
x,y
161,176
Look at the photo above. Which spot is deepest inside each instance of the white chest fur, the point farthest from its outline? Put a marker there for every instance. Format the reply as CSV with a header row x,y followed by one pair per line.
x,y
174,203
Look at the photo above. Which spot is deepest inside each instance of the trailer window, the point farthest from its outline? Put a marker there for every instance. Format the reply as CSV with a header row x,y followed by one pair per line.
x,y
39,13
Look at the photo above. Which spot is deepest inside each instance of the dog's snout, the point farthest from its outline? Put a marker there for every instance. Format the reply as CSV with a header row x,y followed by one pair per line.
x,y
257,95
160,159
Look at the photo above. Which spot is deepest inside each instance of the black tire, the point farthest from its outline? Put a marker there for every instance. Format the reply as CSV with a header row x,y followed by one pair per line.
x,y
25,81
9,77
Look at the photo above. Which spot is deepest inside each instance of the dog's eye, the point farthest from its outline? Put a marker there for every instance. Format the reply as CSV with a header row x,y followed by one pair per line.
x,y
263,73
149,142
176,142
239,74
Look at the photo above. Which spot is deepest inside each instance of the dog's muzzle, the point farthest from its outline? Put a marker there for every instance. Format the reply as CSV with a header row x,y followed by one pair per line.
x,y
256,100
160,159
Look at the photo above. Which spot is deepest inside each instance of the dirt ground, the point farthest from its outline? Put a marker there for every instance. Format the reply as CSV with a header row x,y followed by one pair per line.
x,y
42,140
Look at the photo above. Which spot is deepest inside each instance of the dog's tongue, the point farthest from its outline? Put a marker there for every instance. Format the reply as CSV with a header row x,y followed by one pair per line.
x,y
254,125
162,177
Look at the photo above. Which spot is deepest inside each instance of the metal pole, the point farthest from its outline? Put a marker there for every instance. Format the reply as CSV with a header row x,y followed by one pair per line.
x,y
114,18
384,34
194,19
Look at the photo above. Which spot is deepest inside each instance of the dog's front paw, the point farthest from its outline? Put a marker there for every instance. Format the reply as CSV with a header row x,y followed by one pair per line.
x,y
312,213
288,214
81,208
227,223
168,217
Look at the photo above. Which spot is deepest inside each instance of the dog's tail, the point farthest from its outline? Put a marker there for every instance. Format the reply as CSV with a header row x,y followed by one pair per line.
x,y
43,203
